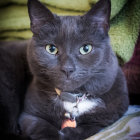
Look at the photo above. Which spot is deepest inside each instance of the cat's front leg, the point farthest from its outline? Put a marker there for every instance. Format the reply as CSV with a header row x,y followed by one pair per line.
x,y
79,133
37,128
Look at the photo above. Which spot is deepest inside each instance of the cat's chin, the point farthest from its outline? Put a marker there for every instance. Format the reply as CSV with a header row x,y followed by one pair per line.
x,y
67,85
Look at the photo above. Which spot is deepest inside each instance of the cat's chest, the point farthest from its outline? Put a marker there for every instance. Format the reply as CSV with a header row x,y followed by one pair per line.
x,y
77,104
78,108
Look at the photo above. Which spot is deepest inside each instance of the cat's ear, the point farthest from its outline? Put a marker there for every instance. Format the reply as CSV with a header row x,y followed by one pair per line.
x,y
100,13
38,14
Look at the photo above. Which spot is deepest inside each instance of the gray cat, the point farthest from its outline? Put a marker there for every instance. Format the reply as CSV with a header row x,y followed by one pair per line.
x,y
75,75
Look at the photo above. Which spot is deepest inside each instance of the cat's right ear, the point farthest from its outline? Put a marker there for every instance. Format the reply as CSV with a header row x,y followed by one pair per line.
x,y
39,15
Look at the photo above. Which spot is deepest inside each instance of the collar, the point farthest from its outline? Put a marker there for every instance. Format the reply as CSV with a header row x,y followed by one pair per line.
x,y
69,97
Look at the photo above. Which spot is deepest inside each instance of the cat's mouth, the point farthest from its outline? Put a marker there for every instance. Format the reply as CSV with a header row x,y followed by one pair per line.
x,y
66,85
69,84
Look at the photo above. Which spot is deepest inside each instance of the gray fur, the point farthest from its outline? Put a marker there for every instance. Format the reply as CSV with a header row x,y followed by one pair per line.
x,y
96,74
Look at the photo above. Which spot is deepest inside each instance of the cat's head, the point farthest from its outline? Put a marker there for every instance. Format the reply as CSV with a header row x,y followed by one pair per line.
x,y
69,50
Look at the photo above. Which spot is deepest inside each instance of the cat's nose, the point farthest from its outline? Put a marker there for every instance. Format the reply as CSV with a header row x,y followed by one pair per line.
x,y
68,70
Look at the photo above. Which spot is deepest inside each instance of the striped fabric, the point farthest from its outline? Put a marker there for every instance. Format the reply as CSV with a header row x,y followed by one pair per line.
x,y
127,128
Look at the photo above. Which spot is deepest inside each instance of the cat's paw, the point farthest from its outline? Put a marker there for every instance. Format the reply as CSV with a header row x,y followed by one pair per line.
x,y
68,133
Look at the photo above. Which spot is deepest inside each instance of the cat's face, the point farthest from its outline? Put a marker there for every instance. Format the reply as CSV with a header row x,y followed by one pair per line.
x,y
67,51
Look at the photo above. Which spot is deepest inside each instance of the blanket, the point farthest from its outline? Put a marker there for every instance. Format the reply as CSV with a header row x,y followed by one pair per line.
x,y
72,7
126,128
125,23
132,73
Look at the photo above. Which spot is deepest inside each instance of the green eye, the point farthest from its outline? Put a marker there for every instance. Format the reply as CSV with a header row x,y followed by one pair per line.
x,y
51,49
85,49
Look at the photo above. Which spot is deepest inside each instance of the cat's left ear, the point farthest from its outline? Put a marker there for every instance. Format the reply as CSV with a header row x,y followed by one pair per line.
x,y
100,14
39,15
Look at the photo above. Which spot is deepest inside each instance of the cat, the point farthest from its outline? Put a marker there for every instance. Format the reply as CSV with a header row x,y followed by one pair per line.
x,y
14,79
73,55
74,75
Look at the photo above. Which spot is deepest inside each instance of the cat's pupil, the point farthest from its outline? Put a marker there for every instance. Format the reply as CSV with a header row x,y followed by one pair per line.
x,y
86,48
52,48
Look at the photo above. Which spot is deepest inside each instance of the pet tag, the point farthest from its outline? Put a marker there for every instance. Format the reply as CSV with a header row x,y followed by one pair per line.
x,y
68,123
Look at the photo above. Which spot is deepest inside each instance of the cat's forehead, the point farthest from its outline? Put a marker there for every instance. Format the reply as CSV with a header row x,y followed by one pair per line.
x,y
69,29
62,27
69,24
69,21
